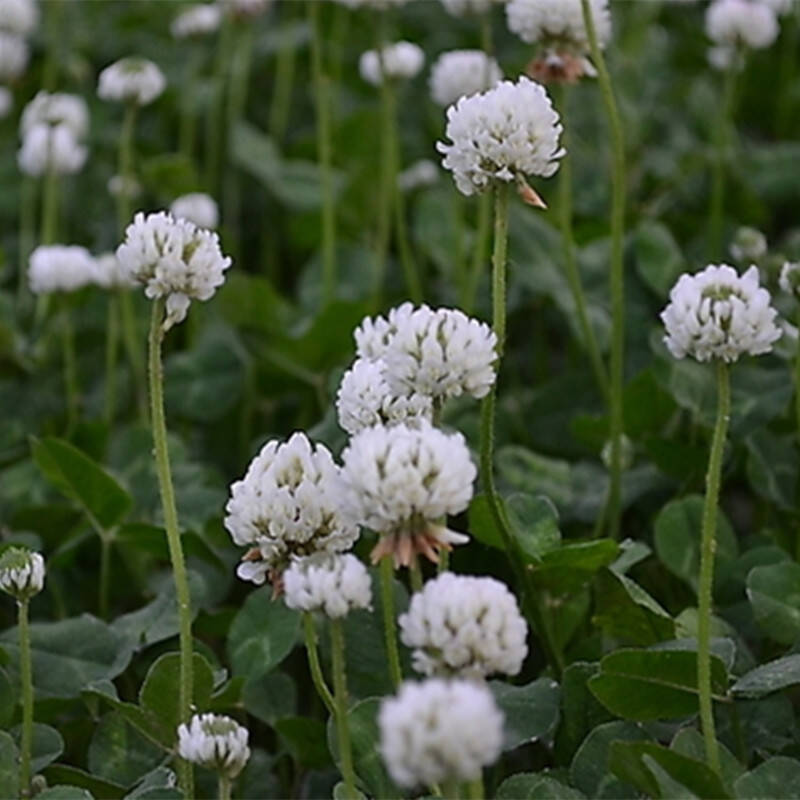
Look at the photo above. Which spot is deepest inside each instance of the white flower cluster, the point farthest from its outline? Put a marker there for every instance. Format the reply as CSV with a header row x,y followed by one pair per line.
x,y
131,80
398,61
418,175
173,259
558,23
333,584
18,19
197,20
438,731
503,134
109,275
60,268
465,626
19,16
749,244
463,8
246,9
741,23
21,572
58,108
199,208
462,73
718,314
216,742
790,278
287,505
14,56
780,7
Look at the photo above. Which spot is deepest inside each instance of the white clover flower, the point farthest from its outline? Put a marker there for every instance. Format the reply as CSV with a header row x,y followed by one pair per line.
x,y
287,506
364,400
245,8
718,314
21,573
378,5
124,186
558,23
51,147
13,56
779,7
749,244
399,481
174,259
374,334
465,626
216,742
401,61
463,8
60,268
131,80
741,23
335,585
19,16
461,73
196,21
503,134
790,278
109,275
418,175
58,108
6,102
723,57
439,731
199,208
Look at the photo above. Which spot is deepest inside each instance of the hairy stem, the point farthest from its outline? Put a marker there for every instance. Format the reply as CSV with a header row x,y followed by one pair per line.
x,y
26,685
340,700
313,662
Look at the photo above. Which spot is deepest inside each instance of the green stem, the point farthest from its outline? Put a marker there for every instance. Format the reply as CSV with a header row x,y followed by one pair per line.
x,y
415,573
214,120
322,90
388,177
159,427
452,790
27,213
722,131
70,368
224,787
133,348
26,683
54,32
475,789
105,575
282,91
187,130
50,207
313,663
616,273
487,41
797,392
112,345
340,700
125,165
389,622
479,252
786,71
706,582
409,264
570,260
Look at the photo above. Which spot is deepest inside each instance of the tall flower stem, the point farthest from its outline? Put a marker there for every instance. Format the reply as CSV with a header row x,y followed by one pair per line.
x,y
224,787
105,574
570,259
27,214
112,343
475,790
616,274
70,363
214,120
340,699
26,682
322,94
125,164
159,427
282,87
187,131
50,207
707,547
389,622
722,140
313,663
479,252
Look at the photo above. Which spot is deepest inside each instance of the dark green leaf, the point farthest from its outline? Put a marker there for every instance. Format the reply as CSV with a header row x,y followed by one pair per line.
x,y
580,710
270,697
9,765
72,776
769,677
119,753
534,522
305,739
64,792
776,777
531,711
774,593
8,699
46,747
535,786
659,260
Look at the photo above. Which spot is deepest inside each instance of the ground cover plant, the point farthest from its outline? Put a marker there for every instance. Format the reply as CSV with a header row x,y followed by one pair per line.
x,y
401,399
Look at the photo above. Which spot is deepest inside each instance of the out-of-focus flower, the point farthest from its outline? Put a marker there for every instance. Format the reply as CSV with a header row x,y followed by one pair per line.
x,y
246,9
216,742
131,80
780,7
379,5
174,259
462,73
57,108
741,23
333,584
400,481
718,314
463,8
60,268
749,244
51,147
21,573
121,185
465,626
197,20
439,731
504,134
18,16
400,61
198,208
109,275
420,174
287,506
13,56
790,278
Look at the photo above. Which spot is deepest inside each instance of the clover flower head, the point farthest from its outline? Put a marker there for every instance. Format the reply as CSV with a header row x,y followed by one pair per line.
x,y
462,73
333,584
109,275
558,24
60,268
172,258
504,134
131,80
19,16
56,108
287,506
124,186
197,207
463,8
418,175
790,278
14,54
439,730
741,23
749,244
197,20
400,480
21,572
364,400
397,61
216,742
717,313
465,626
53,148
